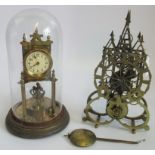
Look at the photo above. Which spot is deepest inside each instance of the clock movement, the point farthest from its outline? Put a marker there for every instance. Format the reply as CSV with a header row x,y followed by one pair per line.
x,y
121,79
36,112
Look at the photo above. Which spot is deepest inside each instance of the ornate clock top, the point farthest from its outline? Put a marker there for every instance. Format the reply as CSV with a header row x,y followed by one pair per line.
x,y
36,41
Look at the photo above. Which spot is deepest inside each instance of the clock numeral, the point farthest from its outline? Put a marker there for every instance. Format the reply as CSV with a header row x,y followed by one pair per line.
x,y
37,62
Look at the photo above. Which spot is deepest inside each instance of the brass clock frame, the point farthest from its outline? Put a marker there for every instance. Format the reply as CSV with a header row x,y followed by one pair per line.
x,y
36,43
120,79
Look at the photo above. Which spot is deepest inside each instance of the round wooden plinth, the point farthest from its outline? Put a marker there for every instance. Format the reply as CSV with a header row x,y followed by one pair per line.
x,y
37,130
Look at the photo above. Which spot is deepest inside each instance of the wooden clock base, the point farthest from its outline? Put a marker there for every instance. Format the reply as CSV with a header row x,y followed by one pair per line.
x,y
37,130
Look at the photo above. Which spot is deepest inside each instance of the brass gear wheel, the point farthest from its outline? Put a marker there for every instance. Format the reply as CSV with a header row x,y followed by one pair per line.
x,y
128,79
117,108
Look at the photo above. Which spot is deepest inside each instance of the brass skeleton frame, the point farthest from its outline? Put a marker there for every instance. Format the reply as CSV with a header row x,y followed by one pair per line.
x,y
122,78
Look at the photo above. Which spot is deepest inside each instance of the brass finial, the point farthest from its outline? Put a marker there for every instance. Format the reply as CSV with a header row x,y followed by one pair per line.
x,y
140,37
36,30
24,37
36,35
112,35
53,75
128,17
142,40
48,37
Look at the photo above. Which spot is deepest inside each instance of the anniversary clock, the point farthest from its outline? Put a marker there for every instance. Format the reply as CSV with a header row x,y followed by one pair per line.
x,y
34,61
121,79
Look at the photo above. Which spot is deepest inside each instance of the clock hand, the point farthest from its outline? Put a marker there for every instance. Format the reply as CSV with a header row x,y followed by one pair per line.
x,y
37,63
34,56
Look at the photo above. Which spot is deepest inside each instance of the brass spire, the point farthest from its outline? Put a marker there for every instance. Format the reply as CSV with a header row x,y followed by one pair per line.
x,y
128,18
112,36
140,37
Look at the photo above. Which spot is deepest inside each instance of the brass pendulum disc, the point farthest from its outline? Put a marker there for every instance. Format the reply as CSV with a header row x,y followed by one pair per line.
x,y
82,137
85,138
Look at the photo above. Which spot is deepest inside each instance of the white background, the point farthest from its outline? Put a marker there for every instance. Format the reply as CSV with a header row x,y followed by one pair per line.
x,y
85,31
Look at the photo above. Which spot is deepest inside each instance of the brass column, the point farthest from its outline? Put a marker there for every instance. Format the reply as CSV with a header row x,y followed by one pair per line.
x,y
22,82
53,92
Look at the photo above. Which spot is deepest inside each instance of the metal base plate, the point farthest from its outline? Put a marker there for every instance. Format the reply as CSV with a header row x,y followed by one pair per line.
x,y
37,130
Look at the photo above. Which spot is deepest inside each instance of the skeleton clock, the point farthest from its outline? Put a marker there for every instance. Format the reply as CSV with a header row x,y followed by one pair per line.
x,y
38,114
121,79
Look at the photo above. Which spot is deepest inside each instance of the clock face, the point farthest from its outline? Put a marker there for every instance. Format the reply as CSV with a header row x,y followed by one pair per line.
x,y
37,63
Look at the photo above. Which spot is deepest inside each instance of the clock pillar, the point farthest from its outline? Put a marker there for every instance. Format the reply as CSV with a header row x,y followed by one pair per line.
x,y
53,82
22,83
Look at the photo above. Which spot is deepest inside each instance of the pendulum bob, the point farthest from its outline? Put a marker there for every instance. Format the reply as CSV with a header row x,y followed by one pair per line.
x,y
85,138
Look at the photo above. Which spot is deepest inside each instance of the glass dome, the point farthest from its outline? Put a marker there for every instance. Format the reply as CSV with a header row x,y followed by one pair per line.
x,y
33,41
